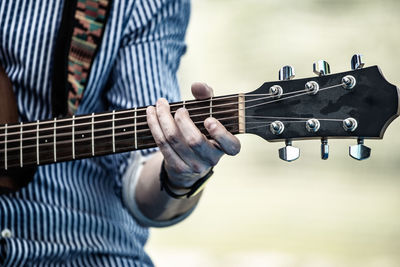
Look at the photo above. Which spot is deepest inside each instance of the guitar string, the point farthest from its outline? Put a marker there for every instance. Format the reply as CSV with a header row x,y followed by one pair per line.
x,y
89,131
90,138
130,133
289,97
103,151
292,118
234,98
11,156
107,121
120,127
140,124
61,158
143,109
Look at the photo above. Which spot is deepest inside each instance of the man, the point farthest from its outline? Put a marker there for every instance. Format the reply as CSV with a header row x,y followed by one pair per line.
x,y
96,212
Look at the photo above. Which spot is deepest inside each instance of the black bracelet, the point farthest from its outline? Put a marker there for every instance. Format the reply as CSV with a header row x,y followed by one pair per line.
x,y
193,190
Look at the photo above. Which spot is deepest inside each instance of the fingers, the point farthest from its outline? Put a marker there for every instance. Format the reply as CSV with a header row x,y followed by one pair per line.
x,y
174,136
162,142
166,132
167,125
202,91
188,154
229,143
196,141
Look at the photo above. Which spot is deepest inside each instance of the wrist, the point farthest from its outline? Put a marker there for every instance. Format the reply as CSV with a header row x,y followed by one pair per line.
x,y
182,191
183,181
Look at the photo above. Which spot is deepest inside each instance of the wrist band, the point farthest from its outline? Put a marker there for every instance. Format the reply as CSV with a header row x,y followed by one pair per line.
x,y
193,190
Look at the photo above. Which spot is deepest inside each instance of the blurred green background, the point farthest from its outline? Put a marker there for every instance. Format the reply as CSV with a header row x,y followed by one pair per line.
x,y
258,210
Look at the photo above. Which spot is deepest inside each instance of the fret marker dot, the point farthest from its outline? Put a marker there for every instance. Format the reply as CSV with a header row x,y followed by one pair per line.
x,y
83,135
124,130
45,140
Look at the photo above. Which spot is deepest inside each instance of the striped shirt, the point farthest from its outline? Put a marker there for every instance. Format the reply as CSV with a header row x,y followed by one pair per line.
x,y
73,213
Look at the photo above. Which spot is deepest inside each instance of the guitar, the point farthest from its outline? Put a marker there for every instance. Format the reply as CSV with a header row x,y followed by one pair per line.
x,y
357,104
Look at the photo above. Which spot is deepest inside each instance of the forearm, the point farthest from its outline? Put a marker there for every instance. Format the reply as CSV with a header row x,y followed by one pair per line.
x,y
154,203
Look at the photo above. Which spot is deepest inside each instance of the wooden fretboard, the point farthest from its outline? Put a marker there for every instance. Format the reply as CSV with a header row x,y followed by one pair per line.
x,y
57,140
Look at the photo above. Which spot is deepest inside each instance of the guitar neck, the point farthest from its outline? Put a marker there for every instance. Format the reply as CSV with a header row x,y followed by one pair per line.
x,y
58,140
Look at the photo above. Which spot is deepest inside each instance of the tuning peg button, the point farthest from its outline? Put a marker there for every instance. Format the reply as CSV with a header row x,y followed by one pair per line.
x,y
286,73
360,151
321,68
324,149
357,62
289,153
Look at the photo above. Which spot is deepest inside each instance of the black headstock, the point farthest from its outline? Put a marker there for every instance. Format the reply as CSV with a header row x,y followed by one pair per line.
x,y
372,102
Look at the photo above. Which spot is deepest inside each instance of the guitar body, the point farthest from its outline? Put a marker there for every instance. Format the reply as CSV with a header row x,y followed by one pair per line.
x,y
15,178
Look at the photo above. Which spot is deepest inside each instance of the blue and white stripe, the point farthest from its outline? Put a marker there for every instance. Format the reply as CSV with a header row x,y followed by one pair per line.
x,y
73,213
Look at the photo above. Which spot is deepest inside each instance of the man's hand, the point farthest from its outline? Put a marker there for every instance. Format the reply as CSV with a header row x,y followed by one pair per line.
x,y
188,154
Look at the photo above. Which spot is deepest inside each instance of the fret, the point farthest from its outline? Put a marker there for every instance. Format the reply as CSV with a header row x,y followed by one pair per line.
x,y
135,130
13,145
184,103
55,139
92,134
21,161
73,136
226,111
125,131
103,138
63,140
29,146
37,143
83,136
46,141
242,113
5,146
113,130
211,106
144,139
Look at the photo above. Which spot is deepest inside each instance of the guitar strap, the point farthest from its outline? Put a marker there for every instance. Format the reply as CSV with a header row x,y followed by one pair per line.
x,y
79,37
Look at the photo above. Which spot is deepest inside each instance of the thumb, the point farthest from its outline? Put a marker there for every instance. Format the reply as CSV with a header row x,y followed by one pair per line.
x,y
202,91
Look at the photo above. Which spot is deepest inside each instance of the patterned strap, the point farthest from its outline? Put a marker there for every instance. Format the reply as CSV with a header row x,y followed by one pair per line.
x,y
90,19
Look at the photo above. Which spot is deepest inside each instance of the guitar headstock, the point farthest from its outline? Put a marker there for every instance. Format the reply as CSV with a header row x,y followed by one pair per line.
x,y
356,104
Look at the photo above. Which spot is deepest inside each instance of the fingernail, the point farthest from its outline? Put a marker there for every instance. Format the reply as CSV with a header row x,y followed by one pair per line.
x,y
162,101
150,110
212,126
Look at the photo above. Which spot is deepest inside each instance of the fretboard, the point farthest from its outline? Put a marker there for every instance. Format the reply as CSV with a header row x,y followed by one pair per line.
x,y
78,137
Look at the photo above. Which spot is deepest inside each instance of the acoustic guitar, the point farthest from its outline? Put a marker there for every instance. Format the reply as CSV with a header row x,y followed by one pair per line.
x,y
357,104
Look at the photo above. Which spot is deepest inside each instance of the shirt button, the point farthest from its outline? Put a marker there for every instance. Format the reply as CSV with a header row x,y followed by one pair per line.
x,y
6,233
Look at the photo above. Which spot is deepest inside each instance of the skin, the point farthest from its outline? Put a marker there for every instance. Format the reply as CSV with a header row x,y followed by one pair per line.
x,y
187,153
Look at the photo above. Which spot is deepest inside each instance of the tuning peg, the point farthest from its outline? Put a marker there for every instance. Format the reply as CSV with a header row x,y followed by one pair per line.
x,y
324,149
321,68
289,153
359,151
286,73
357,62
